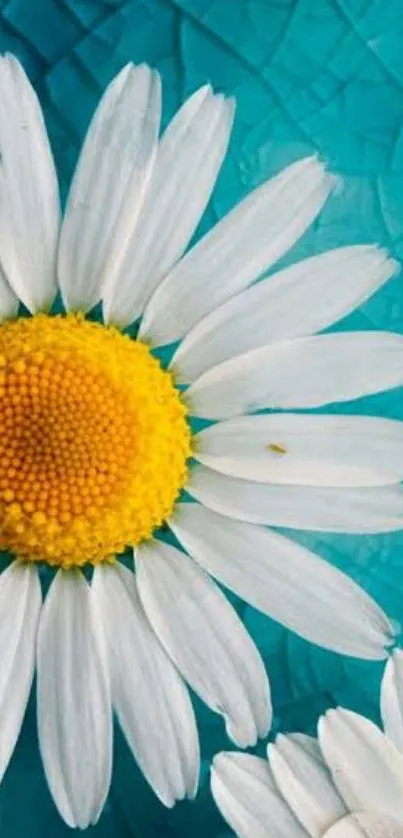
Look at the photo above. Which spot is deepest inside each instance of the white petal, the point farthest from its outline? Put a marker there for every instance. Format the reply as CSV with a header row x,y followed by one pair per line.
x,y
188,159
306,785
20,604
206,640
285,581
308,743
150,698
109,184
9,302
367,510
392,699
241,247
29,205
73,700
366,767
295,302
298,449
366,825
246,795
307,372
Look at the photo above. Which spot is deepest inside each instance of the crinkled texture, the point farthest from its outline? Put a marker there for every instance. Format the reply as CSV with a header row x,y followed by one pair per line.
x,y
333,84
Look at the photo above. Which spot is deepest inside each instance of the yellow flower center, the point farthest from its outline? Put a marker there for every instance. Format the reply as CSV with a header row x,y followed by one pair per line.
x,y
93,441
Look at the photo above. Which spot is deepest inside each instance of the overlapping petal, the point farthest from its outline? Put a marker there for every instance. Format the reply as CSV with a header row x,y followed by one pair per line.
x,y
205,639
237,250
284,306
73,700
305,783
286,581
302,373
187,163
113,172
245,792
351,510
392,699
29,194
20,604
150,698
366,767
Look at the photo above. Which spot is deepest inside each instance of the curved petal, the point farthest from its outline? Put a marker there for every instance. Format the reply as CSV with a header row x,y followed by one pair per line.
x,y
366,767
285,581
367,510
300,300
366,825
246,795
306,785
206,640
188,160
241,247
20,604
305,450
392,699
109,184
29,205
73,701
307,372
150,698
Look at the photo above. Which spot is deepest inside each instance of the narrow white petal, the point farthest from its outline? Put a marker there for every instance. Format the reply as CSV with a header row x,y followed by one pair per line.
x,y
188,160
9,302
308,743
366,825
392,699
306,785
205,639
295,302
366,767
245,793
20,604
150,698
239,249
306,372
298,449
73,700
351,510
29,204
109,184
285,581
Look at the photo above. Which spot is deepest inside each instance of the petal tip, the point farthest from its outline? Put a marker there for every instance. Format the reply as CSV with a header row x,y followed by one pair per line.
x,y
396,654
230,102
326,720
394,266
271,749
320,169
220,761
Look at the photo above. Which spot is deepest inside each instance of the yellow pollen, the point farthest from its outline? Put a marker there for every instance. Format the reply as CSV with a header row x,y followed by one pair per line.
x,y
93,441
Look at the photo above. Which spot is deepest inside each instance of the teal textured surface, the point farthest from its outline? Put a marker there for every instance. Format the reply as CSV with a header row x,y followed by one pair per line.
x,y
308,75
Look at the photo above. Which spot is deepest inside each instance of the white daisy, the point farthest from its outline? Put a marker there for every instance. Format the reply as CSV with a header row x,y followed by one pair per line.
x,y
346,784
95,438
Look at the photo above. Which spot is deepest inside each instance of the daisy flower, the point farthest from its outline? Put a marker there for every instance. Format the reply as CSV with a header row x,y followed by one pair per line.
x,y
346,784
97,441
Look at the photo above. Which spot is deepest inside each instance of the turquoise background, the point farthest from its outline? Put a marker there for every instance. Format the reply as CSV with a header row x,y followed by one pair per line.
x,y
324,75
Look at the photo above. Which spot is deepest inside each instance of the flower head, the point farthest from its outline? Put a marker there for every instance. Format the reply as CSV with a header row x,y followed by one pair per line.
x,y
346,784
97,438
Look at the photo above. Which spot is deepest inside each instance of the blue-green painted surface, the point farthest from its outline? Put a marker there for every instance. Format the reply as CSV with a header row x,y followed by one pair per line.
x,y
308,75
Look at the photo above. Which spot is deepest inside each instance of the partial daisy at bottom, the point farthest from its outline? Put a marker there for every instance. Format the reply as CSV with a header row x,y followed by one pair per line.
x,y
97,440
347,783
